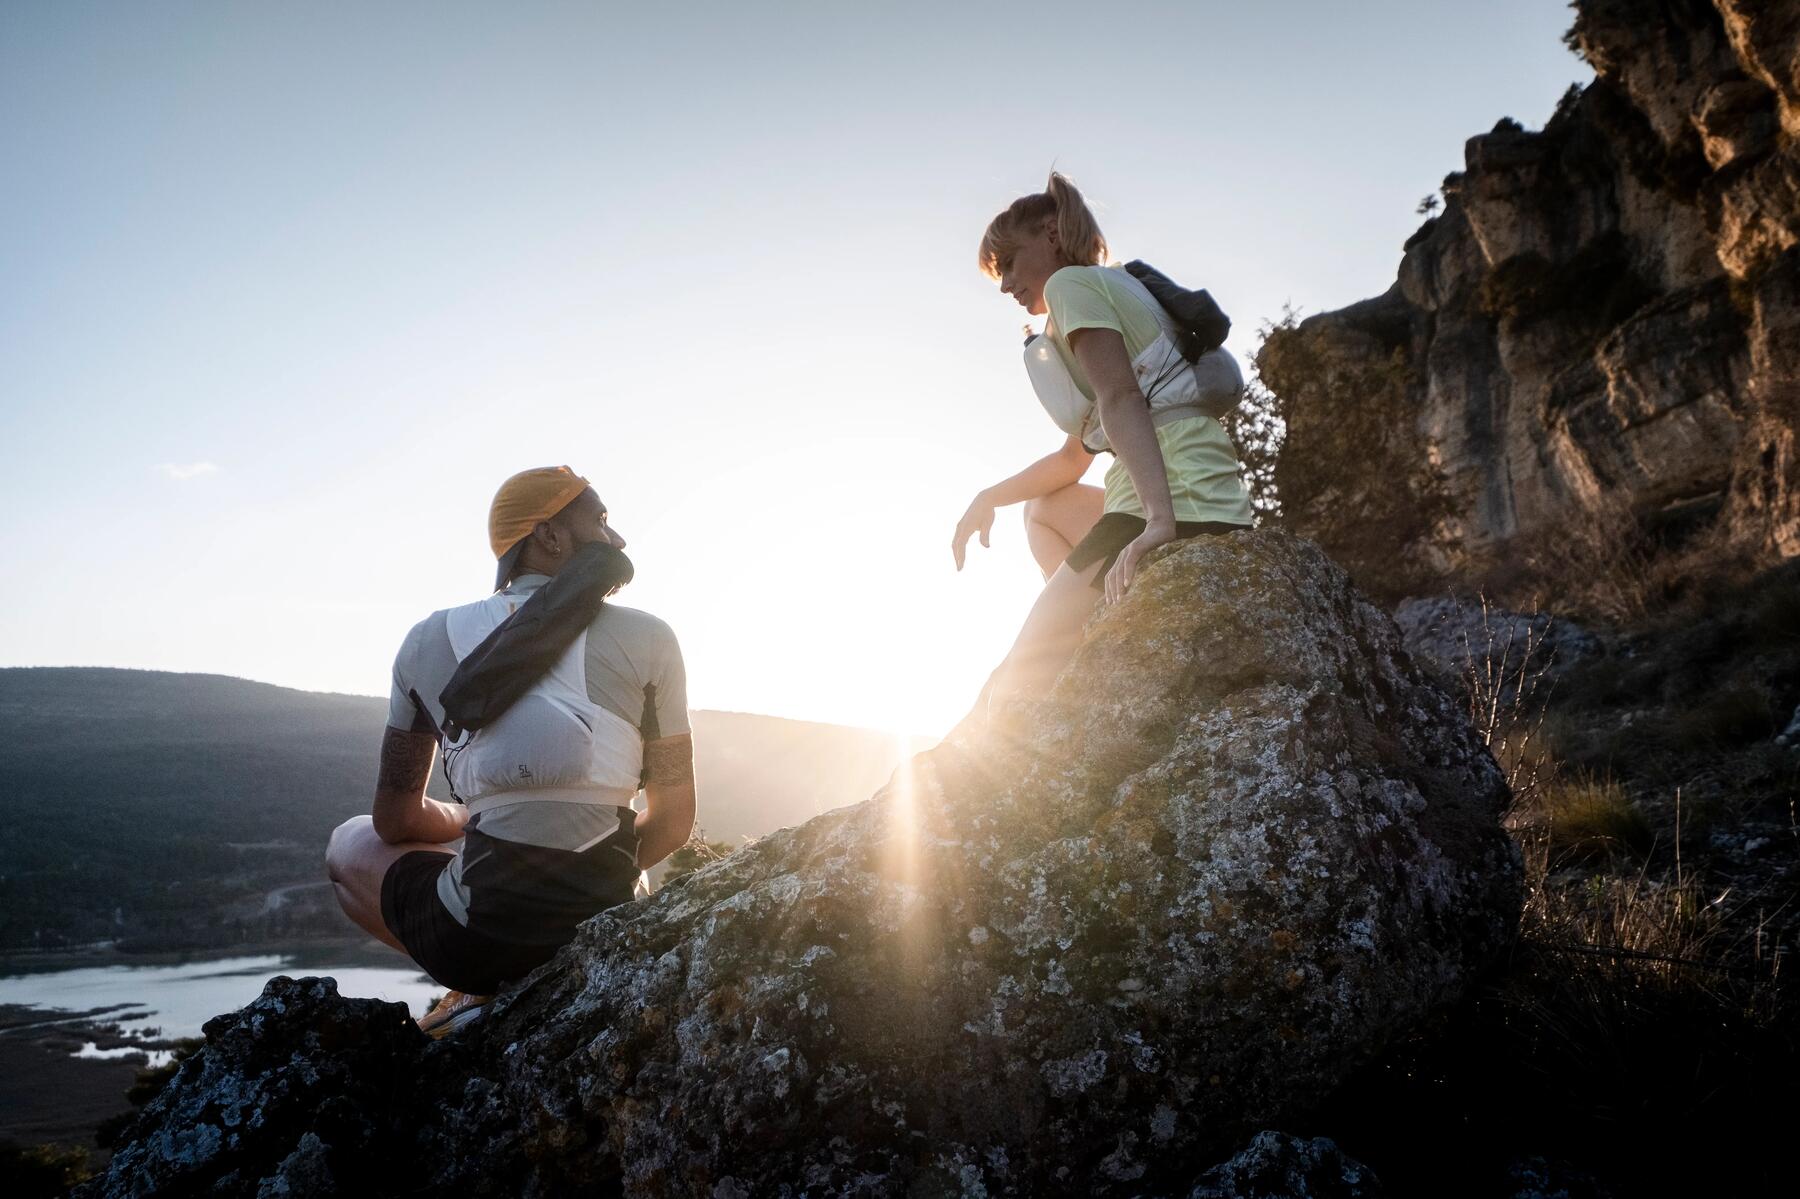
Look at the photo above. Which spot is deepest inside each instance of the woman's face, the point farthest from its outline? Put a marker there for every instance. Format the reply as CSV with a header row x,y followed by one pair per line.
x,y
1024,272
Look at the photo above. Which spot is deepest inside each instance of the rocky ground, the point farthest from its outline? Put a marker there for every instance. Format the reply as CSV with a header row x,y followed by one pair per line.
x,y
1561,1068
1243,848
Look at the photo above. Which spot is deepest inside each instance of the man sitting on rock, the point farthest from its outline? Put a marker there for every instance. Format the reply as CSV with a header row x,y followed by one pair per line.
x,y
551,707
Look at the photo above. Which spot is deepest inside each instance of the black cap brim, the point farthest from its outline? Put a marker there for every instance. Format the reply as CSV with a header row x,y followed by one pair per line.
x,y
508,560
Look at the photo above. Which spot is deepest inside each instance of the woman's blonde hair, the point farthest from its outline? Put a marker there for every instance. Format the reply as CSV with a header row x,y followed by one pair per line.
x,y
1077,233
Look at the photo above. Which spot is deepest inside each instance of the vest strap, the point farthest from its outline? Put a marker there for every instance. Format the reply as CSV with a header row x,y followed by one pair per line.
x,y
1168,416
605,797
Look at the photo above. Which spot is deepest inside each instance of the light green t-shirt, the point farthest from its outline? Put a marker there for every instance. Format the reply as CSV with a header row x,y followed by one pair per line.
x,y
1202,464
1081,297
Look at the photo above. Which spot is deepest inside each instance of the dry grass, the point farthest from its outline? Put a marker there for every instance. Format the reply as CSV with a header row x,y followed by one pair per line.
x,y
1584,818
1507,684
1600,927
1639,917
1602,565
1643,1026
698,852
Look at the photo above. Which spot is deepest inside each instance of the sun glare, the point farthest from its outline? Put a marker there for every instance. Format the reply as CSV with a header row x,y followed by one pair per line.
x,y
903,812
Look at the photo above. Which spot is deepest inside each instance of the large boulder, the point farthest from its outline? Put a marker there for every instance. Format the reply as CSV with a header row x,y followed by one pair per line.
x,y
296,1083
1091,948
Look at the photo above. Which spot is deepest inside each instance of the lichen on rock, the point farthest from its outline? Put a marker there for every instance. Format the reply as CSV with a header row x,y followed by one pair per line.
x,y
1275,1164
1091,948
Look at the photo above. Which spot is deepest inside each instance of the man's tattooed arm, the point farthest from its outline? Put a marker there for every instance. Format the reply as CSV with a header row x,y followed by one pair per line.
x,y
402,811
668,798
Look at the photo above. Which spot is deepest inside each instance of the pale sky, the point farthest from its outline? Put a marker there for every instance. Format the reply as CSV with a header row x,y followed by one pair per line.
x,y
289,289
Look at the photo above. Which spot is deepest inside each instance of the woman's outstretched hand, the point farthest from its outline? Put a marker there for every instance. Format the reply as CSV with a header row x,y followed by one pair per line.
x,y
978,519
1125,568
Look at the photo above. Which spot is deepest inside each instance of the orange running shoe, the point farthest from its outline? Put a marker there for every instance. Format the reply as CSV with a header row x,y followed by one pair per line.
x,y
455,1010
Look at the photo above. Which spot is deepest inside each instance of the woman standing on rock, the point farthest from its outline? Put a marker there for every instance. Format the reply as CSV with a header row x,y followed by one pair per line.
x,y
1106,344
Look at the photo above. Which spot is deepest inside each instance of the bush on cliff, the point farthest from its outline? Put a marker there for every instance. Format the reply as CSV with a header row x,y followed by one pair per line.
x,y
1348,471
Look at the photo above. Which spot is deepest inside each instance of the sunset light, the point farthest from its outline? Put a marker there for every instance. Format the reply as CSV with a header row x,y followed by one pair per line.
x,y
1096,601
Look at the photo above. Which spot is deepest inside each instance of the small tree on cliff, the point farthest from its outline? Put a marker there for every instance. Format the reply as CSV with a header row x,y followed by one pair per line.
x,y
1354,471
1256,428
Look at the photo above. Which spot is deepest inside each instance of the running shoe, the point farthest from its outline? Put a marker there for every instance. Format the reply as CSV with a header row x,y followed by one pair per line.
x,y
455,1010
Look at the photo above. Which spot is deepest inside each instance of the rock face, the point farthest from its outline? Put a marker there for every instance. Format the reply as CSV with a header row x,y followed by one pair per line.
x,y
1243,844
292,1089
1274,1164
1455,636
1602,326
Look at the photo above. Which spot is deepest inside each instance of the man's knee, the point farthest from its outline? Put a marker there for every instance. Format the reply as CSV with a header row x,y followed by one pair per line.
x,y
340,850
1033,510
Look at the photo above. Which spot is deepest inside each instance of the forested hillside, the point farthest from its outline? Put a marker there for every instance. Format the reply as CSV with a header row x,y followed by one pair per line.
x,y
186,809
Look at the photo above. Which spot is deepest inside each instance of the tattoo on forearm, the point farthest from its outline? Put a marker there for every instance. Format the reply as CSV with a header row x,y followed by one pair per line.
x,y
405,761
669,761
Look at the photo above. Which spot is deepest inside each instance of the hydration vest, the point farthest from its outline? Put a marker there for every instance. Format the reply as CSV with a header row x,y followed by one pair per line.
x,y
1176,389
517,713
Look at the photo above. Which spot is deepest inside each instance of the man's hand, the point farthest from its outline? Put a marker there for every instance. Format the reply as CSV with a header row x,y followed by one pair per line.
x,y
978,519
668,798
402,811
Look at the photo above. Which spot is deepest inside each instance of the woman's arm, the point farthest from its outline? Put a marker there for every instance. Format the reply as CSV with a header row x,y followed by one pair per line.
x,y
1050,473
1125,416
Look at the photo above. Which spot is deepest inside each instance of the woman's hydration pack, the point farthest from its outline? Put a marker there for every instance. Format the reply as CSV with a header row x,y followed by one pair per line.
x,y
1201,326
1186,372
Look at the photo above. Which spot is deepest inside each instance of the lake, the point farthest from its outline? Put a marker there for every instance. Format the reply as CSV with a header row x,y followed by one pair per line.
x,y
63,1074
171,1000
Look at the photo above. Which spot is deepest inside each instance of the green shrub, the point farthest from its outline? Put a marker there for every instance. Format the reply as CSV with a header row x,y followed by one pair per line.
x,y
1349,474
1257,429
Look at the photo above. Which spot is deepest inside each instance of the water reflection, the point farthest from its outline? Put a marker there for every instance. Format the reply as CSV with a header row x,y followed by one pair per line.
x,y
153,1058
173,1000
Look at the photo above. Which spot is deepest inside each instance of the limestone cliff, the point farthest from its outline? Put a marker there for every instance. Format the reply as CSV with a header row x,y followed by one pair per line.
x,y
1601,328
1243,845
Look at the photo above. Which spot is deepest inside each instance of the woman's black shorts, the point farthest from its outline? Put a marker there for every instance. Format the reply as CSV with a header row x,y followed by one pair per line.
x,y
1116,530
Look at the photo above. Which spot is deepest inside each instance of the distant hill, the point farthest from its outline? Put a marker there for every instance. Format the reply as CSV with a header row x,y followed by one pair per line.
x,y
166,808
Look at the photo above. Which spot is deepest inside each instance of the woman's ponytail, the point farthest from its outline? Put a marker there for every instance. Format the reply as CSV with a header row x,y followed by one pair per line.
x,y
1077,232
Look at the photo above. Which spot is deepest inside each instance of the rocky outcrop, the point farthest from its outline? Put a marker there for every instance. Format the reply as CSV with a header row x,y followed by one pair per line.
x,y
1459,637
1602,326
1091,949
1274,1164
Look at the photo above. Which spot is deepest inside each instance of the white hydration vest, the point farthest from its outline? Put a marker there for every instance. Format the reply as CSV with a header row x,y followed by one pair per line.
x,y
554,743
1176,388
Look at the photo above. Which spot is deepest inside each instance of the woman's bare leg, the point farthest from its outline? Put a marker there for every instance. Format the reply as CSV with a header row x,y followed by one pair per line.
x,y
1054,523
1051,634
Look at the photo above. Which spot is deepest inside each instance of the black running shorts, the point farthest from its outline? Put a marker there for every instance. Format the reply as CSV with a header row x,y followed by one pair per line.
x,y
463,959
1116,530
